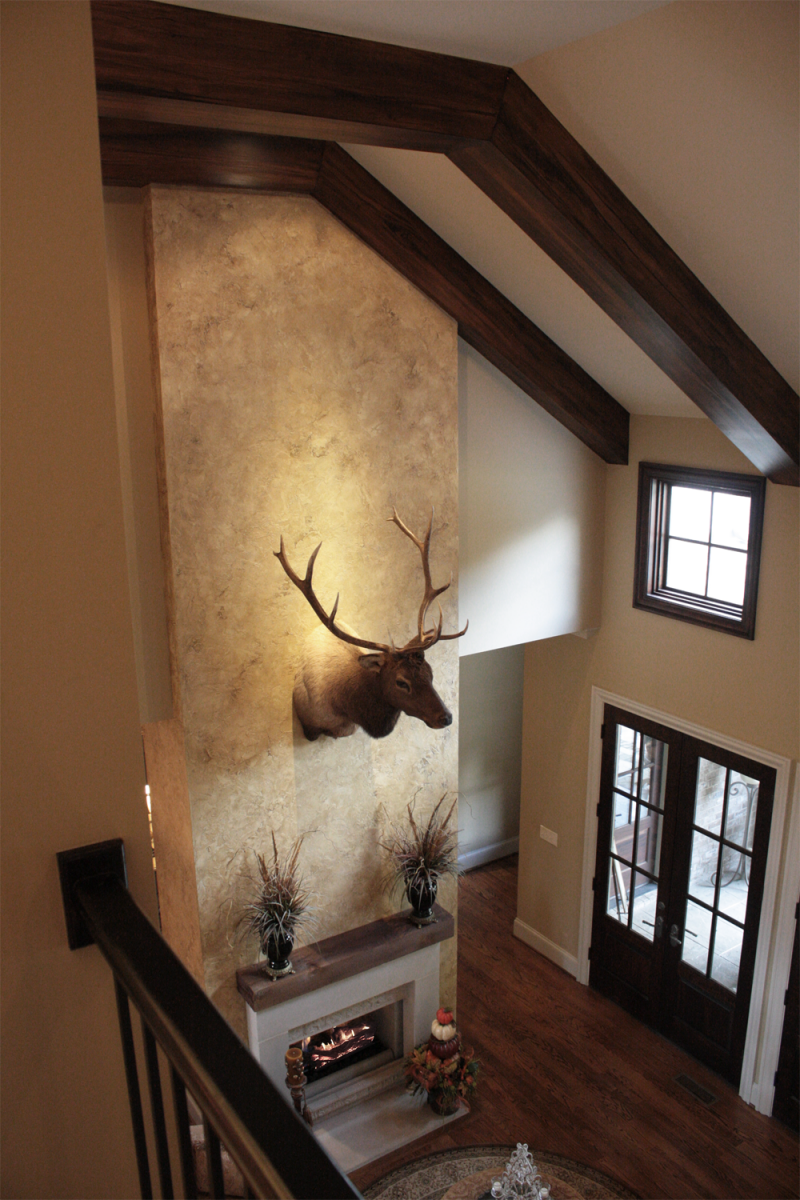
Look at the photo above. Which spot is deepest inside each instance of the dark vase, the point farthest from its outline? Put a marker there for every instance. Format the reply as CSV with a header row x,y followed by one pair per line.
x,y
443,1104
421,897
278,949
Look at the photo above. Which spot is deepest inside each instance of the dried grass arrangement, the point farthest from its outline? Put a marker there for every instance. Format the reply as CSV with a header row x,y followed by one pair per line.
x,y
421,854
280,906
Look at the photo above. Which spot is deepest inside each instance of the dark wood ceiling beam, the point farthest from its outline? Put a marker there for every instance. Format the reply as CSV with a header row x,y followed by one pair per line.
x,y
486,319
360,89
156,62
542,178
135,154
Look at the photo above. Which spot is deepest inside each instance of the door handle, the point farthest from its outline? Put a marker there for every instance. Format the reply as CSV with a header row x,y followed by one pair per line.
x,y
660,918
674,940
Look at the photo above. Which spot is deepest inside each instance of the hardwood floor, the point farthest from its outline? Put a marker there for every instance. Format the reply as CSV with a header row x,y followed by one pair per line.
x,y
568,1072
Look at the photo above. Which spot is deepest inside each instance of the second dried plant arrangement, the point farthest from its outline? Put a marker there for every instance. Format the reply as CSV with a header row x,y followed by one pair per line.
x,y
421,854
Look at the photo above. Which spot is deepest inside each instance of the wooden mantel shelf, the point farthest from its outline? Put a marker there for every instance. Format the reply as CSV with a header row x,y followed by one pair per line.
x,y
341,956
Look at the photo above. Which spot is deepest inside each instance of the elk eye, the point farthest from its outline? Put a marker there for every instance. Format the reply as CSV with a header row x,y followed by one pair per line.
x,y
406,687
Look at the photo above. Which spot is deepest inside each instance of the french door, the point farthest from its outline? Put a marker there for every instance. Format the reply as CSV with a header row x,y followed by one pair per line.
x,y
683,834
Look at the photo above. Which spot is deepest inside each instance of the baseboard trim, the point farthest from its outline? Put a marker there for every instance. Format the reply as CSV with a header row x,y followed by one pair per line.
x,y
476,858
537,941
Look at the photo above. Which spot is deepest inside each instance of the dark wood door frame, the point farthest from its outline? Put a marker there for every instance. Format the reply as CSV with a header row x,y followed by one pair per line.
x,y
787,1075
781,887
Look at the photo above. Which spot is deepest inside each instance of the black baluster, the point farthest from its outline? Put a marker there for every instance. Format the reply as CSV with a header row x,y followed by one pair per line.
x,y
216,1179
134,1096
157,1110
181,1109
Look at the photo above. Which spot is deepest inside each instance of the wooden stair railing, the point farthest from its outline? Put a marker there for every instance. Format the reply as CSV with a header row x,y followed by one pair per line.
x,y
271,1145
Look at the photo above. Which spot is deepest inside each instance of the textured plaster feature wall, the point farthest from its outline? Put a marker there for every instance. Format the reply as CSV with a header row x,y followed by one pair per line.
x,y
306,388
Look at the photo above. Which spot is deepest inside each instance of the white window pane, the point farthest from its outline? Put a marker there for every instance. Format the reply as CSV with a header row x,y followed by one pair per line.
x,y
690,513
730,525
726,573
686,566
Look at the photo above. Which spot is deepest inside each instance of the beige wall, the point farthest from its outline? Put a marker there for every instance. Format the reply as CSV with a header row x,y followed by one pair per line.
x,y
72,760
490,753
692,111
532,500
306,389
746,690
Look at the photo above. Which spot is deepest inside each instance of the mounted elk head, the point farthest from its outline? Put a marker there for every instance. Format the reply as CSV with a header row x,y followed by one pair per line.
x,y
346,681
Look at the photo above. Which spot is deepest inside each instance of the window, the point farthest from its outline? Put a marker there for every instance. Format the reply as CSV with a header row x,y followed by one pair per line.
x,y
698,545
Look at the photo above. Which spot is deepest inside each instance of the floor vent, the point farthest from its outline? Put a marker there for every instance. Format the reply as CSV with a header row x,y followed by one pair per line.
x,y
704,1096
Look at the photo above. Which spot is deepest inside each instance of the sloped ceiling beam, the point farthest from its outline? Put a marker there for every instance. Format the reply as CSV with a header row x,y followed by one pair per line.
x,y
161,63
137,153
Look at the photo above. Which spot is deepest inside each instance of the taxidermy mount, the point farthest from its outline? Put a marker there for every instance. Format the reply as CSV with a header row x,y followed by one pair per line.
x,y
345,681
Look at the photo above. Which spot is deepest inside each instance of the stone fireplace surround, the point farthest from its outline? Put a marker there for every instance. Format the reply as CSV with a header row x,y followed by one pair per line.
x,y
388,965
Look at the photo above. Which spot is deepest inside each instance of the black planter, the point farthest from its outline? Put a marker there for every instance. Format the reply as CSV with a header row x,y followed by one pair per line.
x,y
421,897
277,951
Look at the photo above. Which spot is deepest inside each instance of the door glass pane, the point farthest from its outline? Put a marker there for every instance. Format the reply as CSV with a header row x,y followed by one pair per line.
x,y
617,901
696,936
735,885
643,905
623,810
648,841
703,870
654,771
622,839
742,803
727,953
709,796
628,742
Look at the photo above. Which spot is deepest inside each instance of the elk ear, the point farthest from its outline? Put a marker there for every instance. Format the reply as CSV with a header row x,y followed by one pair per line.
x,y
371,662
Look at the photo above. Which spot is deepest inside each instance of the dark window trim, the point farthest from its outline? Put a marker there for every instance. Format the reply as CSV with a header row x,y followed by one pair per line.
x,y
649,590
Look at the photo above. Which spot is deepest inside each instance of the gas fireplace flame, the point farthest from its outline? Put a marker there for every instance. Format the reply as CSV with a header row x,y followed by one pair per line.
x,y
333,1048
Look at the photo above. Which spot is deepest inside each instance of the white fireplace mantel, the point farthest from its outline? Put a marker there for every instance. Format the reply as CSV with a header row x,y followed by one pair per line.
x,y
339,979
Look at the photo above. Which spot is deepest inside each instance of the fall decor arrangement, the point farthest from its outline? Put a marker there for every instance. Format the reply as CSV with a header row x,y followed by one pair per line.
x,y
439,1068
420,855
281,904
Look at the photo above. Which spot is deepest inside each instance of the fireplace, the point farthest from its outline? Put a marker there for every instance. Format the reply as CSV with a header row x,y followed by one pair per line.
x,y
351,1049
381,979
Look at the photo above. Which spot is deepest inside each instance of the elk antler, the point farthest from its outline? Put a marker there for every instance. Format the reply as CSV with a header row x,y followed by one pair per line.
x,y
426,638
307,589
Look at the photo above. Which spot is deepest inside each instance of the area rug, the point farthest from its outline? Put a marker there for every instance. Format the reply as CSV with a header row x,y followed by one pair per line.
x,y
467,1173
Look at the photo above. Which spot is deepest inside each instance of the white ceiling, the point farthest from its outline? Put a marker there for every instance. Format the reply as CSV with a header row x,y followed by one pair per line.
x,y
510,33
497,31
